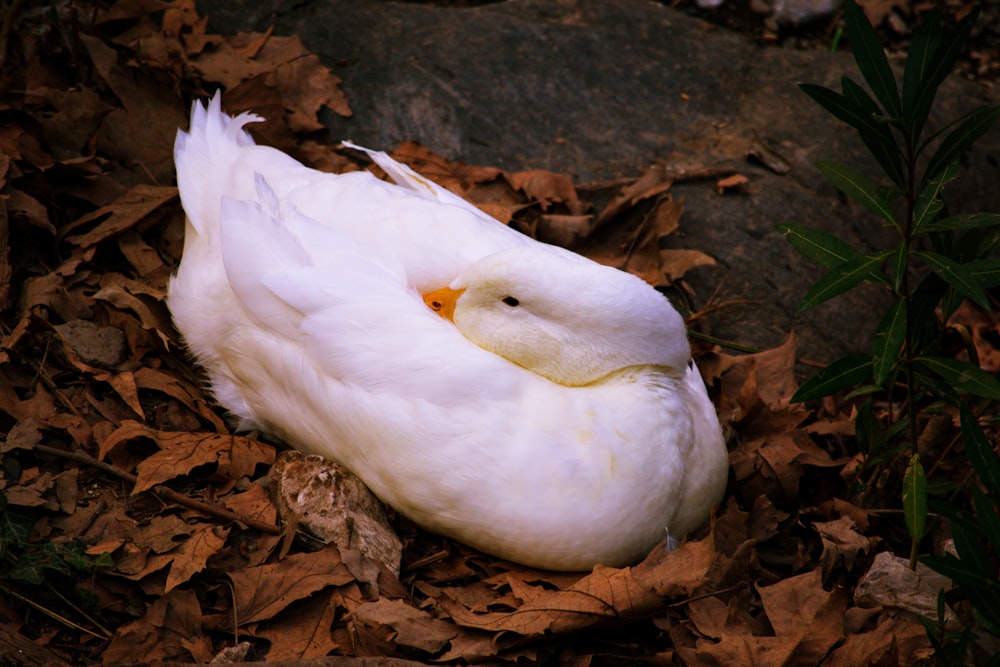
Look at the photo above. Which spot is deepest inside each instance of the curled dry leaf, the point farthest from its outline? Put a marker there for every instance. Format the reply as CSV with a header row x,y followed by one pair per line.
x,y
180,453
263,591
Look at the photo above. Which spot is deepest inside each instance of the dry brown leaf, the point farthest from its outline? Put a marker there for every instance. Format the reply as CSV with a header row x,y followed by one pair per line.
x,y
191,397
25,434
254,503
31,489
842,544
221,63
734,181
261,592
170,630
193,553
838,507
457,177
983,328
636,248
547,188
302,631
306,84
676,262
654,182
893,637
123,214
181,452
412,627
604,595
757,389
708,615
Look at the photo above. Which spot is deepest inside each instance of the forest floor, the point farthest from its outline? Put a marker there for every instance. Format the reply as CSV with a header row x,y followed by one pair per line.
x,y
137,526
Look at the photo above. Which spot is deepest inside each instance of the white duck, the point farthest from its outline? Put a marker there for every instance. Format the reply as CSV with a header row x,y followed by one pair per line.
x,y
558,421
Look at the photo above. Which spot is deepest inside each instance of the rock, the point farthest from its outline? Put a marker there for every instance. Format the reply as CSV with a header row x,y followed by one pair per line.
x,y
890,582
95,345
600,90
802,12
334,505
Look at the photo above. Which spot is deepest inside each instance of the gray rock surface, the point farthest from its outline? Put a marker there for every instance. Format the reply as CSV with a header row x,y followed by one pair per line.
x,y
600,89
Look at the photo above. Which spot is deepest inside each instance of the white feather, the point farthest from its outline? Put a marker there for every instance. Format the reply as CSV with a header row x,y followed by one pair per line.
x,y
299,292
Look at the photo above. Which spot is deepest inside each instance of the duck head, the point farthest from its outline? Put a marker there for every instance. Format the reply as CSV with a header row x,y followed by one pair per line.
x,y
562,316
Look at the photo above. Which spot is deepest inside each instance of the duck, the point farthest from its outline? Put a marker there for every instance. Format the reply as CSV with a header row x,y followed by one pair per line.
x,y
508,394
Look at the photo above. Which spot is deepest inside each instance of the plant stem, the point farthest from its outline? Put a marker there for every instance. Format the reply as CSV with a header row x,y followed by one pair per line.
x,y
912,408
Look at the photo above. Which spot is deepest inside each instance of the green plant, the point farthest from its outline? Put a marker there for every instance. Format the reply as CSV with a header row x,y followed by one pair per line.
x,y
938,260
30,570
977,535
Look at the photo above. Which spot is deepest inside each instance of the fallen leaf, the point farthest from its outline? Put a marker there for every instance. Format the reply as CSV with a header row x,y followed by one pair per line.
x,y
261,592
301,631
193,554
841,544
412,627
170,630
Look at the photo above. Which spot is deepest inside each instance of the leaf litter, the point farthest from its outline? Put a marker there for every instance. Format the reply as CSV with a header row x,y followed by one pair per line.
x,y
116,460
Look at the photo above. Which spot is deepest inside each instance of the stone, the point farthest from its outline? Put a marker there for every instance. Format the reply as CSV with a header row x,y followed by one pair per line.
x,y
95,345
601,90
890,582
335,506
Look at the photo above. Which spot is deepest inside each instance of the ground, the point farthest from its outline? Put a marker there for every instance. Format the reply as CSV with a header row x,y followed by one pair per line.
x,y
139,526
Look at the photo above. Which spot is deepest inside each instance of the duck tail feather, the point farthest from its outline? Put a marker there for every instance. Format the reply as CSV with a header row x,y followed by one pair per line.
x,y
404,176
205,153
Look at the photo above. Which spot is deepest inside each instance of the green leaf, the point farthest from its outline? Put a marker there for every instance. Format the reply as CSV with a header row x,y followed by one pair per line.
x,y
856,108
821,247
922,316
900,264
858,187
957,276
926,39
867,429
837,376
938,67
957,570
963,376
985,271
844,277
915,498
876,133
984,460
889,337
929,202
864,390
871,58
989,520
977,122
956,223
969,548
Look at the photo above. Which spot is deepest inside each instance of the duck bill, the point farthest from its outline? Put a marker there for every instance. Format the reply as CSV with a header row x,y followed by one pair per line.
x,y
443,301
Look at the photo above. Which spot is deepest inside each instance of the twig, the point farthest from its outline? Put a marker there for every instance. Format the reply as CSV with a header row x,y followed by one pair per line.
x,y
746,349
52,589
162,491
48,612
678,176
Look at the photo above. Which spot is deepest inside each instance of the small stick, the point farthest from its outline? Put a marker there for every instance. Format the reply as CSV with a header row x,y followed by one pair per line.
x,y
164,492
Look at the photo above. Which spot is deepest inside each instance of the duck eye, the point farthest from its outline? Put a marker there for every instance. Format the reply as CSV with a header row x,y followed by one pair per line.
x,y
511,301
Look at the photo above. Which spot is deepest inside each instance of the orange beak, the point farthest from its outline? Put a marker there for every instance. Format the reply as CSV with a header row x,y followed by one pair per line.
x,y
442,302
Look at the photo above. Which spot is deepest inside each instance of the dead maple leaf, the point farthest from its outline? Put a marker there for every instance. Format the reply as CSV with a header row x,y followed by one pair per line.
x,y
303,631
263,591
411,627
192,555
171,630
842,544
